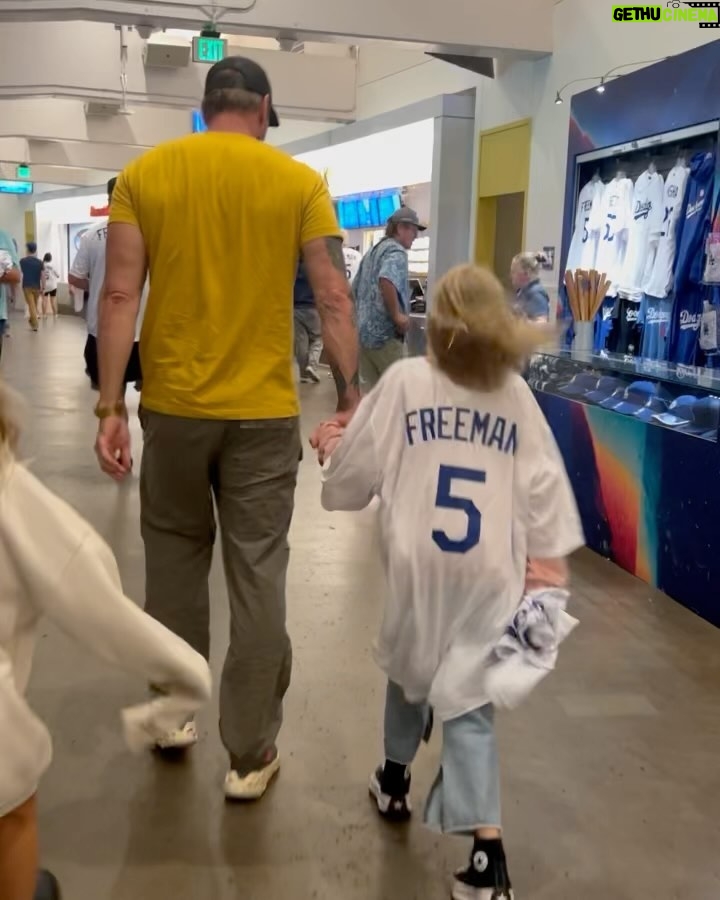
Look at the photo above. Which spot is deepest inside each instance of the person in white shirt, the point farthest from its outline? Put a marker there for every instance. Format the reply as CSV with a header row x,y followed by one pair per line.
x,y
352,259
50,279
52,563
476,512
88,274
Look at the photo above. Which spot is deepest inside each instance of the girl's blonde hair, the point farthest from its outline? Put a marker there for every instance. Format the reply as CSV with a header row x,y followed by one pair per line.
x,y
9,421
475,338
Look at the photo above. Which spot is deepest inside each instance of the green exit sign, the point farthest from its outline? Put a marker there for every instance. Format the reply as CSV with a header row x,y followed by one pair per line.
x,y
23,171
209,49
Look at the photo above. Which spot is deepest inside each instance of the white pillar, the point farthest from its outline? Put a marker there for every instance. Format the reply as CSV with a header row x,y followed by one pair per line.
x,y
451,206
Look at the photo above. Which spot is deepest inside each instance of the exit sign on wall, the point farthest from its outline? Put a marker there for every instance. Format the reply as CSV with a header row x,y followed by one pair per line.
x,y
209,49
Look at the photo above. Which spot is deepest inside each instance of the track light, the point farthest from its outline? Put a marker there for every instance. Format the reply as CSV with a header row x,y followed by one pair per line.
x,y
558,99
601,87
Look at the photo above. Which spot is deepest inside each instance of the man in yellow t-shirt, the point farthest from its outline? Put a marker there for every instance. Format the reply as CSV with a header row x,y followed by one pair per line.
x,y
220,220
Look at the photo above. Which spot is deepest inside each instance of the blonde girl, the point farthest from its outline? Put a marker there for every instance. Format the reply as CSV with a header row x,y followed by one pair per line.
x,y
475,510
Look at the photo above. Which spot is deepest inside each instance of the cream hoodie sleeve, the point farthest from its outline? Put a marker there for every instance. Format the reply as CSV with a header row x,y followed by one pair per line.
x,y
63,570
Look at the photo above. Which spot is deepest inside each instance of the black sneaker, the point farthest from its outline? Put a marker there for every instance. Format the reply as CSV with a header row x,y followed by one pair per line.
x,y
393,803
483,880
47,887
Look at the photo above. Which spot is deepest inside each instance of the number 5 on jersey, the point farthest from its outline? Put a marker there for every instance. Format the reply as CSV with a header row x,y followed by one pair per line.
x,y
446,499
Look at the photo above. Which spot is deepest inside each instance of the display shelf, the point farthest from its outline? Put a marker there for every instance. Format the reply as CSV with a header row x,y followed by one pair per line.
x,y
681,398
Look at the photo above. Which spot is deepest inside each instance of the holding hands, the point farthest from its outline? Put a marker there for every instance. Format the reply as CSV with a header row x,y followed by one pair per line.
x,y
325,439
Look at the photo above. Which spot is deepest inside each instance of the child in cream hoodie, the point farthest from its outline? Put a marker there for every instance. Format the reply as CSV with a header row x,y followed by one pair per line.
x,y
52,563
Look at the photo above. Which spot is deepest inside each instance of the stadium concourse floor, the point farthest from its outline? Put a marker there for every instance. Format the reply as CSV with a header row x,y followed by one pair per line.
x,y
610,772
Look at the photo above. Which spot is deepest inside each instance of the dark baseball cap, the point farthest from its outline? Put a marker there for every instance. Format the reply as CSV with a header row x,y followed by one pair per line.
x,y
406,216
244,74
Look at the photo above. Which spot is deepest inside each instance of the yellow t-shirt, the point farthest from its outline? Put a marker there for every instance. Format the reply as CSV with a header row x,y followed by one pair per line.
x,y
224,218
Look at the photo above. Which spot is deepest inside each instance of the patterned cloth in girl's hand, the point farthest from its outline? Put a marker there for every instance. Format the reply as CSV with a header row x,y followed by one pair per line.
x,y
529,648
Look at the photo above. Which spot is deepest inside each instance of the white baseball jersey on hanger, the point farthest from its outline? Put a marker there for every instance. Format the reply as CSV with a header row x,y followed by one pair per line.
x,y
471,484
644,232
584,243
90,263
610,219
659,280
352,262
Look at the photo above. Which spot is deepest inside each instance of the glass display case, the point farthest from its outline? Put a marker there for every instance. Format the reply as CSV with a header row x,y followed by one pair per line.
x,y
684,399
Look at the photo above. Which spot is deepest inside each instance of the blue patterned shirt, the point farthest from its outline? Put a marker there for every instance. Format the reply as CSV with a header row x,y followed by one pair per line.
x,y
389,260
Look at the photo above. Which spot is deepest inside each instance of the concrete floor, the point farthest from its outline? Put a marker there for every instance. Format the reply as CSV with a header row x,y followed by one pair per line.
x,y
611,773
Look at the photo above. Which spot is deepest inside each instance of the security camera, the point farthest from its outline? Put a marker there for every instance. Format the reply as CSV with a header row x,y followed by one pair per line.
x,y
145,31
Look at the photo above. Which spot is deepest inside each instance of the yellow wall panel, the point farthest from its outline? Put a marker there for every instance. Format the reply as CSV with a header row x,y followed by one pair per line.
x,y
504,160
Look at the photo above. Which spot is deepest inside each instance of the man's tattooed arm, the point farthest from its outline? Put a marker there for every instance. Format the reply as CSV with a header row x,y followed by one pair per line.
x,y
325,266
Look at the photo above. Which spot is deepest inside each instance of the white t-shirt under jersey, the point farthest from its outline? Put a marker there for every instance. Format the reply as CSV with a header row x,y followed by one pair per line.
x,y
470,484
352,262
90,263
643,233
610,219
660,278
580,255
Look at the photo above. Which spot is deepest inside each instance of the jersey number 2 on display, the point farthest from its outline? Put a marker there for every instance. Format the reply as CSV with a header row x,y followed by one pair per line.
x,y
445,499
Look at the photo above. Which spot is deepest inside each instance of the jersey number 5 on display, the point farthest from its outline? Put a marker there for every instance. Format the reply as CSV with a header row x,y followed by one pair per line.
x,y
445,499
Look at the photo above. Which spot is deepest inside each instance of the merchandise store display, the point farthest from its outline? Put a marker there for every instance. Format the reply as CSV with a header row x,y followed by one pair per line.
x,y
637,416
649,237
684,400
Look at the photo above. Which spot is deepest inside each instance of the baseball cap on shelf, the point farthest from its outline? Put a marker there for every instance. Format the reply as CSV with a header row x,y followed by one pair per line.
x,y
580,385
241,73
680,412
606,386
706,416
406,216
637,396
614,400
658,404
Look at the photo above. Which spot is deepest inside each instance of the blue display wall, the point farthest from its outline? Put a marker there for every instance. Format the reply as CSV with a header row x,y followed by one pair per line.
x,y
649,497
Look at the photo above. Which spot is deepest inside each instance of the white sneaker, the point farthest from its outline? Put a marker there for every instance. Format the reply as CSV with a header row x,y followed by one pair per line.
x,y
180,738
253,785
311,376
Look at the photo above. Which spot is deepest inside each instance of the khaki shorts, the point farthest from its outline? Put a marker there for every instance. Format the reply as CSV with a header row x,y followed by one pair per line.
x,y
374,362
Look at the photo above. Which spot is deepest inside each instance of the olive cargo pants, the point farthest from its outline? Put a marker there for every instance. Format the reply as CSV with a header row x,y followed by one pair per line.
x,y
246,470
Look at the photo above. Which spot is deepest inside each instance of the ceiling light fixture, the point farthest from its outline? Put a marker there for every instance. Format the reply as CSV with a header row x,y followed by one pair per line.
x,y
601,87
558,99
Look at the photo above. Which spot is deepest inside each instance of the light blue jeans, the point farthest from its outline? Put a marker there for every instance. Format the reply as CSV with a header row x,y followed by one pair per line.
x,y
466,792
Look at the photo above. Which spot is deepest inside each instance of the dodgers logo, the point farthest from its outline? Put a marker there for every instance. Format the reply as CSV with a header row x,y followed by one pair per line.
x,y
689,321
686,371
642,209
694,208
656,316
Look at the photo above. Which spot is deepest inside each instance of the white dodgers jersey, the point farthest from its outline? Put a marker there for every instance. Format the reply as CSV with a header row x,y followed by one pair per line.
x,y
90,263
470,484
659,280
611,220
644,233
584,243
352,262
